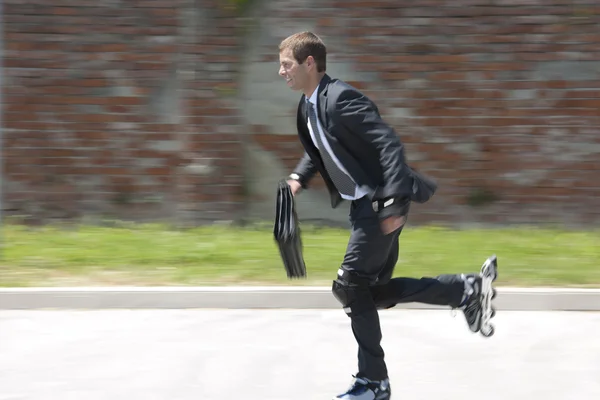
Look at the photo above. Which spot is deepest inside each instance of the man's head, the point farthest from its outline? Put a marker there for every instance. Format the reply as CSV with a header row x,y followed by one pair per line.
x,y
302,61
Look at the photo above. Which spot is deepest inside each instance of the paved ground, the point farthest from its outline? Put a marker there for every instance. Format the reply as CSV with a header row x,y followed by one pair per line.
x,y
290,355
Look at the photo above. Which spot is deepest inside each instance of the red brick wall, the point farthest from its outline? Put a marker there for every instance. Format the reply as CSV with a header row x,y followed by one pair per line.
x,y
109,108
496,97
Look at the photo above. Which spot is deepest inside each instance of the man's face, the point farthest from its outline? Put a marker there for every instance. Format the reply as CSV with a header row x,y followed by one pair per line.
x,y
294,74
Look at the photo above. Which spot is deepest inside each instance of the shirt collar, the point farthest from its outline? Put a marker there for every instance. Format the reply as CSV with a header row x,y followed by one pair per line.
x,y
313,96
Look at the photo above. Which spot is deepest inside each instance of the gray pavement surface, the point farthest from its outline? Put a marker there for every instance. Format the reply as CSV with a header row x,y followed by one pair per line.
x,y
291,355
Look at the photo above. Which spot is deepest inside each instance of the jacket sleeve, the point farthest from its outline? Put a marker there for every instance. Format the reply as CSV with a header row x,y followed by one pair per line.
x,y
360,116
305,170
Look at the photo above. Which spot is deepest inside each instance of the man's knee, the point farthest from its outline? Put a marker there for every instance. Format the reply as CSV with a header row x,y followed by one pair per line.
x,y
353,294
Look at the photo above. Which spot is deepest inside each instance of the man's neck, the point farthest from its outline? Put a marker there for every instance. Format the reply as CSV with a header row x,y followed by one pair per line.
x,y
314,84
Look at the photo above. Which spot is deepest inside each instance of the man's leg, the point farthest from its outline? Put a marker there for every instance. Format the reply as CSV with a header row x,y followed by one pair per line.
x,y
364,285
440,290
461,290
367,252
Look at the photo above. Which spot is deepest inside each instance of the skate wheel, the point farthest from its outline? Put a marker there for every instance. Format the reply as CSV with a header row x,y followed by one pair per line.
x,y
494,293
488,332
493,313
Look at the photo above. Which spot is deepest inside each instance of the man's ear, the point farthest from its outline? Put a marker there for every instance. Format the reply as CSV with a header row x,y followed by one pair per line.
x,y
310,61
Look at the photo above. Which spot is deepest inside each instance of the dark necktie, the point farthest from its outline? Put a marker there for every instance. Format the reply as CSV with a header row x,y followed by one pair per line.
x,y
342,182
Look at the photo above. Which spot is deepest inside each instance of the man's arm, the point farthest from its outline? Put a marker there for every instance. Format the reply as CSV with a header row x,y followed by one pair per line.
x,y
360,116
303,173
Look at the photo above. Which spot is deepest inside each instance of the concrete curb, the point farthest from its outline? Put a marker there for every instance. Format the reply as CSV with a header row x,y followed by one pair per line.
x,y
264,297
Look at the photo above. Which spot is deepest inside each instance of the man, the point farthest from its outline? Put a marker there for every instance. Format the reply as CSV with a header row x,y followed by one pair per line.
x,y
361,159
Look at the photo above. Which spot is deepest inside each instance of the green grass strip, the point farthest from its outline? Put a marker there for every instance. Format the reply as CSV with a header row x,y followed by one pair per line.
x,y
152,254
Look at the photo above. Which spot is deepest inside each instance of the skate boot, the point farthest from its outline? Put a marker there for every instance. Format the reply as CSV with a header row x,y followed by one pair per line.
x,y
471,305
477,301
365,389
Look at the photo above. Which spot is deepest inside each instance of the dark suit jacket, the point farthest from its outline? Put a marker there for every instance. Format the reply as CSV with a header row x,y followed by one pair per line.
x,y
368,147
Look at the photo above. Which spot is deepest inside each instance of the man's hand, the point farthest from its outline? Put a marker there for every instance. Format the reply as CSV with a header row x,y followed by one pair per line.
x,y
390,224
295,186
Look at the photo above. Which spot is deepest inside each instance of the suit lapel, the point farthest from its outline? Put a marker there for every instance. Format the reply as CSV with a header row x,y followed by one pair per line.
x,y
321,109
303,117
303,132
322,101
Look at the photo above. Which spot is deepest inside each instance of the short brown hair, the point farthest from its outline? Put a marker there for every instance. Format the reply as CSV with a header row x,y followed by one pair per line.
x,y
304,44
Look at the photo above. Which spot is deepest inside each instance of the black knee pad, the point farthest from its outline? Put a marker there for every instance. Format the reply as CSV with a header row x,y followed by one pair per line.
x,y
354,298
343,295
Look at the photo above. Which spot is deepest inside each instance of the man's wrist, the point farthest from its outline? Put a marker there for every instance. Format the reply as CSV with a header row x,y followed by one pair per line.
x,y
295,177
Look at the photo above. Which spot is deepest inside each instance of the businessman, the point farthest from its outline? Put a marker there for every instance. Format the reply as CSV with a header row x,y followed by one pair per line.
x,y
361,160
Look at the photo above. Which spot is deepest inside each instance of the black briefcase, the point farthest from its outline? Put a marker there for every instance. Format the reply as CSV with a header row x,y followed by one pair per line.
x,y
286,231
